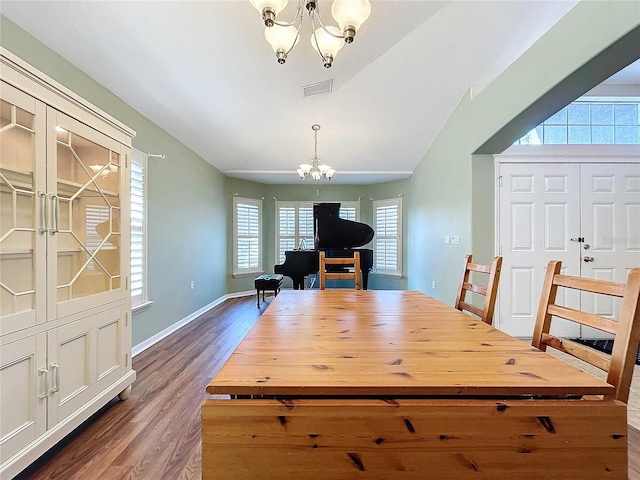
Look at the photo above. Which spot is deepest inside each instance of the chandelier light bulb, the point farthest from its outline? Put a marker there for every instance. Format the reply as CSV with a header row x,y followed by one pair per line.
x,y
350,15
282,40
327,45
269,9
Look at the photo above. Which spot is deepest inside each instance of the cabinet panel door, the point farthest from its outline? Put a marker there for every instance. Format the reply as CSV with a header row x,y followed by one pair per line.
x,y
22,211
23,416
88,185
85,357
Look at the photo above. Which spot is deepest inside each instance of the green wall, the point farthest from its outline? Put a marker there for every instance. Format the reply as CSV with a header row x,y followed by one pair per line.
x,y
187,208
451,190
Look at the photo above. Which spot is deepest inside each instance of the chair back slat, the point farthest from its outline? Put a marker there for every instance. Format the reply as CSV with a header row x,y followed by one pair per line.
x,y
603,287
476,267
589,355
464,306
489,292
475,288
583,318
342,275
626,329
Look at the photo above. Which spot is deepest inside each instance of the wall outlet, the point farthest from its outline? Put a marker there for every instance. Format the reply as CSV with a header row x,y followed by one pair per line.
x,y
455,239
193,284
446,239
433,284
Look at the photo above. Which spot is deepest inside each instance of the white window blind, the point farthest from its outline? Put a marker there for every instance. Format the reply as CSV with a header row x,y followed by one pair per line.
x,y
388,236
294,224
247,236
95,215
138,229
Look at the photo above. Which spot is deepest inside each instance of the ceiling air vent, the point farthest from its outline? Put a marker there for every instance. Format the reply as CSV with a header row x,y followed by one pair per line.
x,y
317,88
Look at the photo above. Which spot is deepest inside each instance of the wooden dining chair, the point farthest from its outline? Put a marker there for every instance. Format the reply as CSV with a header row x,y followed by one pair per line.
x,y
343,274
489,292
626,330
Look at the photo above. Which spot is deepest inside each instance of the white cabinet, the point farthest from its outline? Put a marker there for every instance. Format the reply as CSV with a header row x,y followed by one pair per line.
x,y
65,333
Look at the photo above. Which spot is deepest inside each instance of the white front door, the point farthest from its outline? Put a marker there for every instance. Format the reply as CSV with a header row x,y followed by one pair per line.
x,y
586,215
539,213
611,230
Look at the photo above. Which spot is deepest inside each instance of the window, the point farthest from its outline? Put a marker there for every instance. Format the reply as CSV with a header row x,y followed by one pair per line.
x,y
247,234
582,122
294,224
138,229
387,245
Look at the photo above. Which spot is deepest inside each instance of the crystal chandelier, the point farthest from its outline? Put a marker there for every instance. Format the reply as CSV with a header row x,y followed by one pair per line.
x,y
326,40
312,169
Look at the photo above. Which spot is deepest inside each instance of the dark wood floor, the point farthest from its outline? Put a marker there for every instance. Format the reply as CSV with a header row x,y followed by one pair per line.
x,y
155,434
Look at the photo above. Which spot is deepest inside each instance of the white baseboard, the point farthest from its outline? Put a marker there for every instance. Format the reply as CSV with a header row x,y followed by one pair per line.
x,y
142,346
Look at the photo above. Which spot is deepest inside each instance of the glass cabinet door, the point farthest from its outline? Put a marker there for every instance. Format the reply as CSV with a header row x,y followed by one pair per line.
x,y
22,211
87,177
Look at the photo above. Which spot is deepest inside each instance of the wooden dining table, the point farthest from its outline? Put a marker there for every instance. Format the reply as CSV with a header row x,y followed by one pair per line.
x,y
346,384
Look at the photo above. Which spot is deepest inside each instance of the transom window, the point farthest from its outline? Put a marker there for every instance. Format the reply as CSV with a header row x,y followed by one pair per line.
x,y
294,224
582,122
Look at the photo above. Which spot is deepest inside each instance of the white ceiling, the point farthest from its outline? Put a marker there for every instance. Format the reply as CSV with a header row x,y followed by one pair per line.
x,y
203,71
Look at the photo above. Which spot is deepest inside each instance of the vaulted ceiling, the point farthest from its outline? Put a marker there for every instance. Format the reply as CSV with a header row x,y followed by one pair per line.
x,y
203,71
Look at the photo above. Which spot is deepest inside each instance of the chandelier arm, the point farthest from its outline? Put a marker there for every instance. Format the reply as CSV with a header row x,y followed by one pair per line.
x,y
293,44
298,16
315,41
325,28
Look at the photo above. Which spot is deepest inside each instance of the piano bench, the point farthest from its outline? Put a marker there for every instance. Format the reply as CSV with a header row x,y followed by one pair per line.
x,y
267,282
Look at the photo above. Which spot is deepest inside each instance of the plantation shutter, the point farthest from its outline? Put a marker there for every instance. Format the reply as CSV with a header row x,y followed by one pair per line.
x,y
388,241
138,260
248,214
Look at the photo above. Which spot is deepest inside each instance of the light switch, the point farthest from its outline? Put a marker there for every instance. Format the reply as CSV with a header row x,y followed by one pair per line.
x,y
455,239
446,239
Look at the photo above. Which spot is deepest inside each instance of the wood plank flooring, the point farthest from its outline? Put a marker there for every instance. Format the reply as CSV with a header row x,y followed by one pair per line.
x,y
155,434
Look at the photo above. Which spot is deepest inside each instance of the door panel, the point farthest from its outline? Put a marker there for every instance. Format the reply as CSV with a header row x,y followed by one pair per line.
x,y
85,357
611,229
23,416
87,183
22,211
539,213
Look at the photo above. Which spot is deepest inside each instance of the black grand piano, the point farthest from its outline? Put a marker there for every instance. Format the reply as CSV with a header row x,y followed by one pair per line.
x,y
336,237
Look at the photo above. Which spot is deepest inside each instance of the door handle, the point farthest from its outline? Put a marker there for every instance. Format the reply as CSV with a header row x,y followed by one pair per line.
x,y
43,213
42,372
55,370
588,259
55,207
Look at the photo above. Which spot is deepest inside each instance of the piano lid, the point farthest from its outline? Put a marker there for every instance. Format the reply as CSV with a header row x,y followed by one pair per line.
x,y
331,231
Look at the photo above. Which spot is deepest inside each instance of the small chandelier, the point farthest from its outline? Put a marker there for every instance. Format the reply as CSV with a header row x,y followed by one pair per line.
x,y
312,169
327,41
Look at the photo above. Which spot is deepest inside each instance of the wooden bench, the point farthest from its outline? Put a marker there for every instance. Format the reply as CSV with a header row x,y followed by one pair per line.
x,y
267,282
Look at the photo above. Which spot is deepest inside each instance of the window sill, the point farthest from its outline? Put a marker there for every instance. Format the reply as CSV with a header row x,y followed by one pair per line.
x,y
397,276
257,273
140,308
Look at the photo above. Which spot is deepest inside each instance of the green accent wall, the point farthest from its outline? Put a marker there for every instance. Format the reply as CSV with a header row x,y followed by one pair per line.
x,y
187,208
